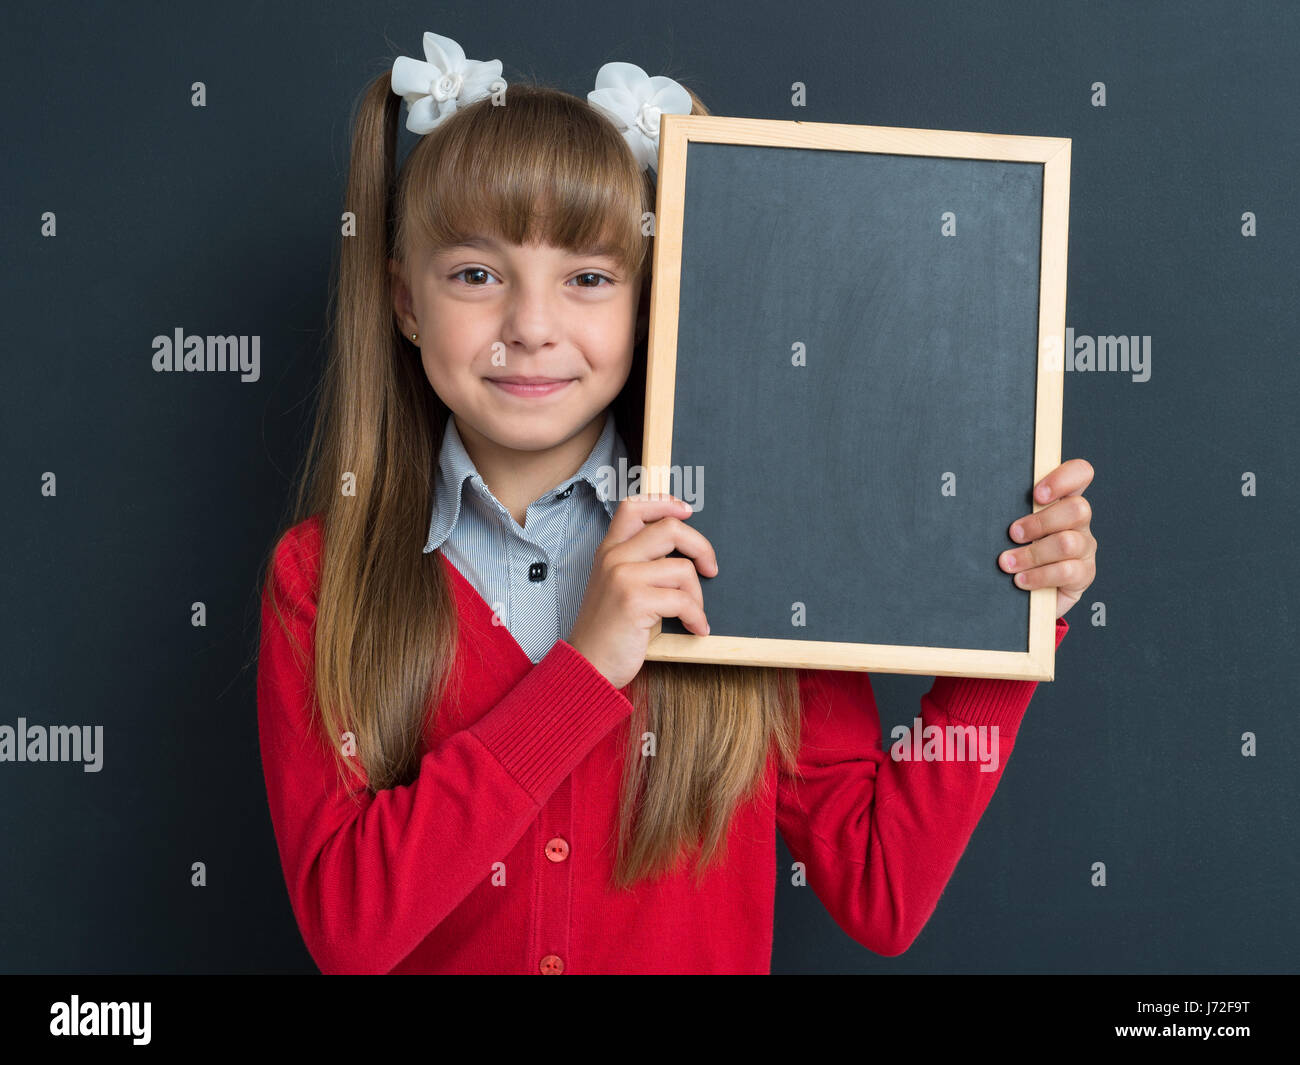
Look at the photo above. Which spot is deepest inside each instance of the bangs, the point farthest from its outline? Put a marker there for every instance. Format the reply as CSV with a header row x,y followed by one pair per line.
x,y
543,168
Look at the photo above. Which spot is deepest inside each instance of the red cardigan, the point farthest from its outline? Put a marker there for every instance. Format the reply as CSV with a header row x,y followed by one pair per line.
x,y
496,858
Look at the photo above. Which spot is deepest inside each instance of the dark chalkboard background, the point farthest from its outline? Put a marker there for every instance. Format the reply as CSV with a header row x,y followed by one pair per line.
x,y
822,482
224,220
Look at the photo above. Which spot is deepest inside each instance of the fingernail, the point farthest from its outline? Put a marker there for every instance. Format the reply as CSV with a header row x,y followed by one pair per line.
x,y
1044,493
1017,533
1020,579
1009,560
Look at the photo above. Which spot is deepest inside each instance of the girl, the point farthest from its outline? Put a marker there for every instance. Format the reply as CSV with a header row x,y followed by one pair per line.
x,y
469,765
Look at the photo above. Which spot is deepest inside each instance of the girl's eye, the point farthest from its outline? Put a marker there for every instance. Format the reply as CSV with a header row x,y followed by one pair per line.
x,y
479,271
599,277
472,270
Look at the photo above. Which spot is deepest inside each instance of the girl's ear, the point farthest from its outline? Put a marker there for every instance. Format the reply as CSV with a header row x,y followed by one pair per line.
x,y
401,294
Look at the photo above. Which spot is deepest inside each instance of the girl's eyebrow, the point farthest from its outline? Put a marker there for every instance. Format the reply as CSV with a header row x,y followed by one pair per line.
x,y
476,242
605,251
601,251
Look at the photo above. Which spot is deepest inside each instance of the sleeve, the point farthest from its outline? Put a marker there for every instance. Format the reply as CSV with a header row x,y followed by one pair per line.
x,y
369,880
880,837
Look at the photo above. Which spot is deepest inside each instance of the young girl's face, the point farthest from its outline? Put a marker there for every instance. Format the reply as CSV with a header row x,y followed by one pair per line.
x,y
526,344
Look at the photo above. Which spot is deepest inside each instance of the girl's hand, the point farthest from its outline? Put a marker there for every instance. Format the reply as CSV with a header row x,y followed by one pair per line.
x,y
1061,550
633,585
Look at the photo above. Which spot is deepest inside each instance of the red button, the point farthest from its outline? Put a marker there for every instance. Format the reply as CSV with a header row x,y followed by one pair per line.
x,y
551,965
557,849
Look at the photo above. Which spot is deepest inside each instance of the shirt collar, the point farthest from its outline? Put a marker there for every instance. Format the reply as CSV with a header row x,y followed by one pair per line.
x,y
455,467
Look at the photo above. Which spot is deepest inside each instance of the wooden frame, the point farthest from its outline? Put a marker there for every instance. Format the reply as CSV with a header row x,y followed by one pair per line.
x,y
676,134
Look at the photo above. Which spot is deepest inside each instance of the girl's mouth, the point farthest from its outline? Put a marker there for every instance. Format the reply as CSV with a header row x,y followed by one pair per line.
x,y
526,386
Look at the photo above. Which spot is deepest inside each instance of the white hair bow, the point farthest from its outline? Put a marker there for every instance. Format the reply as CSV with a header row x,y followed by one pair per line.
x,y
445,81
633,101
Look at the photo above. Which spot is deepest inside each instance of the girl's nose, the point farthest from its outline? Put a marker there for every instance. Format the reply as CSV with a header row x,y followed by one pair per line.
x,y
531,319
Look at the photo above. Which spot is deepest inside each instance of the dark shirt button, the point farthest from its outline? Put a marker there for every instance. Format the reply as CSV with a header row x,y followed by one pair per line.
x,y
537,571
565,494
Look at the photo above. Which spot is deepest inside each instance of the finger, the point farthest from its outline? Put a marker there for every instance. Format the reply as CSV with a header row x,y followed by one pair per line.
x,y
663,536
1072,575
1072,512
634,513
1073,475
1070,543
672,573
658,603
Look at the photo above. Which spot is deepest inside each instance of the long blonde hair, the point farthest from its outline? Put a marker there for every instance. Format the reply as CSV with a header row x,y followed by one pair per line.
x,y
546,166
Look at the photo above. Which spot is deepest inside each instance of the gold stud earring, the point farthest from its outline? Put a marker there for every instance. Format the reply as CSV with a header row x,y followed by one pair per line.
x,y
415,336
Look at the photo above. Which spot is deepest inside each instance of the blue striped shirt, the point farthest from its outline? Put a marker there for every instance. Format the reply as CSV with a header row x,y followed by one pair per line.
x,y
533,577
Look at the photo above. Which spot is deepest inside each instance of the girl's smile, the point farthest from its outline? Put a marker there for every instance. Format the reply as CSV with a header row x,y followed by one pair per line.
x,y
530,387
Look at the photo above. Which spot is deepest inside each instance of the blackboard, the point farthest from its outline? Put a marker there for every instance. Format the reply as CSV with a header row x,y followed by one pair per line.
x,y
855,378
